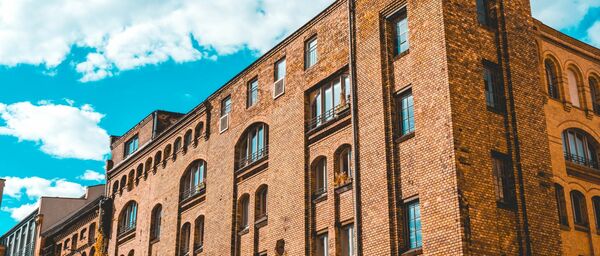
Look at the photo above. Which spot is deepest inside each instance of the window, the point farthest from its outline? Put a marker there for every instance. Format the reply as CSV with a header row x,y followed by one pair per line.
x,y
596,204
347,240
128,218
155,222
406,112
67,243
167,153
279,85
580,217
225,110
580,148
595,92
329,100
192,182
551,79
253,145
343,173
401,44
115,187
310,52
494,91
176,147
485,16
322,245
82,234
252,93
157,158
573,87
198,233
123,182
244,202
131,180
261,203
503,178
320,176
131,145
198,131
92,234
187,140
561,205
73,242
413,223
185,239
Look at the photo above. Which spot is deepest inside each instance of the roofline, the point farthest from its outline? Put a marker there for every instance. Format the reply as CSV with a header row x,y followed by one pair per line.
x,y
580,46
119,137
71,217
21,222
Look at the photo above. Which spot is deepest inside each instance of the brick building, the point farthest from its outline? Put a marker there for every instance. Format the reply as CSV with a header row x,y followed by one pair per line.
x,y
460,127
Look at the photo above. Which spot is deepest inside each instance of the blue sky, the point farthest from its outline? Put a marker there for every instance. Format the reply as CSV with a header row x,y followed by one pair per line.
x,y
68,83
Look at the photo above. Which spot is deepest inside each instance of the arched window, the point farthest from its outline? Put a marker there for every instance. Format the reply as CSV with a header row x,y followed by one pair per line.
x,y
184,243
573,82
128,218
131,180
192,182
157,158
92,235
131,253
596,205
187,140
176,147
74,242
123,182
198,233
198,131
561,205
552,79
167,153
319,171
147,166
115,187
155,222
580,148
243,211
595,92
253,145
261,203
82,234
67,243
343,168
580,217
139,171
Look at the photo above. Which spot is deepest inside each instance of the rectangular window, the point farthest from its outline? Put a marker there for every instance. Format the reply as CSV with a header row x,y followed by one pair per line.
x,y
131,145
329,100
485,15
401,44
494,90
503,178
561,205
280,69
226,106
310,52
413,221
322,245
347,240
406,112
252,93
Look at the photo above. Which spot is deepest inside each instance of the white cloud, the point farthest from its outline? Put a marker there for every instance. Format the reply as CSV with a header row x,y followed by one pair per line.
x,y
593,34
124,35
36,187
63,131
92,175
562,14
20,212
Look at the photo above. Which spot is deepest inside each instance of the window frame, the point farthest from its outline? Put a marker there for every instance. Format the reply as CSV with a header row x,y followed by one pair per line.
x,y
418,243
485,14
252,92
495,99
504,182
323,243
128,218
563,217
347,245
594,84
579,207
319,113
399,99
311,51
277,71
552,84
225,106
588,144
400,20
155,223
127,146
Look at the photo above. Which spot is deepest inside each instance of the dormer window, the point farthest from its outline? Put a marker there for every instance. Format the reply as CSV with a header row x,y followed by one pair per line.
x,y
131,145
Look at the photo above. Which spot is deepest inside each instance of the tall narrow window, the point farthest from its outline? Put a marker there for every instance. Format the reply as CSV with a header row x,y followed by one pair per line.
x,y
401,32
320,176
561,205
184,244
596,204
329,101
225,110
280,72
322,245
551,79
128,218
253,145
573,87
580,217
131,145
155,223
244,203
485,16
92,234
405,106
252,93
347,240
494,91
595,92
198,233
310,52
261,203
503,178
192,182
580,148
413,223
343,174
187,139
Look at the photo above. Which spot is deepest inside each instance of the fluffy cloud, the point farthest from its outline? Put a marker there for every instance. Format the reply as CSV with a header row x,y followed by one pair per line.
x,y
123,35
92,175
594,34
562,14
19,213
63,131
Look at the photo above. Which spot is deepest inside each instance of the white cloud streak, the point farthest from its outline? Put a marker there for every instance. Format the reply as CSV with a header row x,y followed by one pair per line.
x,y
562,14
92,176
63,131
124,35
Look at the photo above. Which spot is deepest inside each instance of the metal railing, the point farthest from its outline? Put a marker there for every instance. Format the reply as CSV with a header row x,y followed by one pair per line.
x,y
126,229
254,157
580,160
328,116
191,192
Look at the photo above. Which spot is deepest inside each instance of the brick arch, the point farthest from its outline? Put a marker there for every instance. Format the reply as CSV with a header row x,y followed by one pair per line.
x,y
549,58
572,124
241,156
187,188
157,158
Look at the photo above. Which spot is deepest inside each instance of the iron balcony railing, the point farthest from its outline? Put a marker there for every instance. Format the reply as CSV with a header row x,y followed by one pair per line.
x,y
191,192
580,160
126,229
328,116
254,157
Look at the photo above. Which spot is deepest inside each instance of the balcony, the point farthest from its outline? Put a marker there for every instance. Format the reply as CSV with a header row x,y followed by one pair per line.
x,y
328,116
193,191
579,160
244,162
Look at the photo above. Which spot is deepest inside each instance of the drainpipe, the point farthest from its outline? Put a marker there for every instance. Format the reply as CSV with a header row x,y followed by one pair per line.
x,y
354,110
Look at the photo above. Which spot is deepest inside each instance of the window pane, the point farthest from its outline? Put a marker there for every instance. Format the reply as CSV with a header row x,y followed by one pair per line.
x,y
407,124
280,70
401,30
311,53
414,225
337,93
226,106
252,93
328,99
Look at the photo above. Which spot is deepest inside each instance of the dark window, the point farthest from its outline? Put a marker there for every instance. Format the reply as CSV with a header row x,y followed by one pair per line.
x,y
406,118
580,217
92,234
155,223
199,233
226,106
198,131
503,178
261,203
185,239
128,218
187,139
347,240
322,245
400,22
252,93
320,176
580,148
561,204
485,14
131,145
310,52
413,224
329,100
244,202
176,147
551,79
596,204
595,92
253,145
494,91
192,182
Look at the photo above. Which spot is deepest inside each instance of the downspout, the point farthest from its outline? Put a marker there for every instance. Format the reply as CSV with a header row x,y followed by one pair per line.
x,y
354,111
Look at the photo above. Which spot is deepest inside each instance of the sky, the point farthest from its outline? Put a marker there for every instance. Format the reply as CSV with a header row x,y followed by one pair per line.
x,y
74,72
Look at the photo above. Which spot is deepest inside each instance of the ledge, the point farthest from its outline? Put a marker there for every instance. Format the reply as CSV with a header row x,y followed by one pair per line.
x,y
413,252
317,198
262,221
583,172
